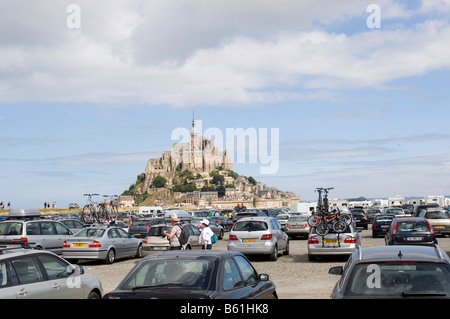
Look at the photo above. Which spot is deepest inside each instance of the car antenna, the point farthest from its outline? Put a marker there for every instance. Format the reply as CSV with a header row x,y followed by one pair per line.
x,y
400,255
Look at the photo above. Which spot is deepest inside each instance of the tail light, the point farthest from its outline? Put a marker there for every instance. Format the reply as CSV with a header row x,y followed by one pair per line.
x,y
232,237
145,240
95,244
288,225
431,228
394,229
148,226
313,240
66,245
350,240
22,240
266,237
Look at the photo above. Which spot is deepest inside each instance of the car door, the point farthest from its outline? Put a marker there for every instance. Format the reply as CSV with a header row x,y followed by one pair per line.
x,y
194,235
255,288
48,238
64,283
280,234
62,233
117,242
130,244
232,283
27,280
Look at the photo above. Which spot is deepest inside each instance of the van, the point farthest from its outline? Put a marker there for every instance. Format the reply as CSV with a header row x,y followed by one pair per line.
x,y
151,211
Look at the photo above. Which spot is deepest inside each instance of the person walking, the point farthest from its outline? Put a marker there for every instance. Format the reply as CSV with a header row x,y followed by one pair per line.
x,y
206,235
175,234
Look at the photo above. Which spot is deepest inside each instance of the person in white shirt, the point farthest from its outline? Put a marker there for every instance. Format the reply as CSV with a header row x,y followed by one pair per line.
x,y
205,235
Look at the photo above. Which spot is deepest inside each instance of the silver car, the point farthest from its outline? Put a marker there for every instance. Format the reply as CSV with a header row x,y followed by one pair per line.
x,y
156,241
39,233
333,243
104,243
259,235
297,225
39,274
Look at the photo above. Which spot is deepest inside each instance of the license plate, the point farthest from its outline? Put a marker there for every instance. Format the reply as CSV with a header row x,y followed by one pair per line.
x,y
251,240
439,227
159,248
384,226
330,241
413,238
137,234
78,245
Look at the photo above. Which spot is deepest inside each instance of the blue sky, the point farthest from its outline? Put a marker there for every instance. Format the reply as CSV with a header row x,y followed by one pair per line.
x,y
363,110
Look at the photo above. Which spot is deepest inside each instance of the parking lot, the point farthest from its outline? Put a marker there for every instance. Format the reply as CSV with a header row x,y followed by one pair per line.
x,y
294,276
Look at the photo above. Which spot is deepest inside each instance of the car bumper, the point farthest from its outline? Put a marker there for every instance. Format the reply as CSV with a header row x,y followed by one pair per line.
x,y
80,254
252,249
298,232
328,251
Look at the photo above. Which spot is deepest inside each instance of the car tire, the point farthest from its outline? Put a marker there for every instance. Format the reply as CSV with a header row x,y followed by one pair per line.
x,y
274,255
110,256
93,295
221,234
286,251
139,253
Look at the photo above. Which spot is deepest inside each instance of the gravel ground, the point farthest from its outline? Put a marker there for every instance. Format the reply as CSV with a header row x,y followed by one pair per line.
x,y
294,276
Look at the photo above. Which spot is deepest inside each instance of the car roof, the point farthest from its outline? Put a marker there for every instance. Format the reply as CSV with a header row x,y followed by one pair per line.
x,y
255,218
192,254
402,253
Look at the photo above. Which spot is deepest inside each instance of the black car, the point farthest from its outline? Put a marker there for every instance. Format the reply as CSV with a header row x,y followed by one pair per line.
x,y
140,227
360,218
410,231
194,275
394,272
223,221
381,224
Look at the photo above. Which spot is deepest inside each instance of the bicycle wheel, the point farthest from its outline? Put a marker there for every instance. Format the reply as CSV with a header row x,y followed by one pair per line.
x,y
114,211
314,221
347,218
339,226
102,214
322,230
87,215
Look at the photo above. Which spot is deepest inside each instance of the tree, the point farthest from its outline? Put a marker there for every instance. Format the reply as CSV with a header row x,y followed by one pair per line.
x,y
159,181
252,180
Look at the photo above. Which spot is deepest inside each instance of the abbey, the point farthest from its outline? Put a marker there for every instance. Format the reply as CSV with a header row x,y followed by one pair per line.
x,y
199,155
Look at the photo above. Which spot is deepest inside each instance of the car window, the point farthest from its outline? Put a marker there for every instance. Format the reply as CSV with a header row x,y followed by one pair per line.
x,y
90,232
157,231
248,272
25,271
437,215
61,230
47,228
231,276
112,233
123,233
250,226
55,267
412,226
3,274
10,228
193,230
33,228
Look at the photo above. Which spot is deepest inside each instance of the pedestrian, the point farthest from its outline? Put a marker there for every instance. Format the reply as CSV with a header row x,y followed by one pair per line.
x,y
206,235
174,234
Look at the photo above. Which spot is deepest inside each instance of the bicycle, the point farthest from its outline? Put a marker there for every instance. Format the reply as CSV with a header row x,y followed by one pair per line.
x,y
321,220
109,209
89,213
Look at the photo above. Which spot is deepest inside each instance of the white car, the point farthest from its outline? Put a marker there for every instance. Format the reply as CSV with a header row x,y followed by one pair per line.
x,y
260,236
39,274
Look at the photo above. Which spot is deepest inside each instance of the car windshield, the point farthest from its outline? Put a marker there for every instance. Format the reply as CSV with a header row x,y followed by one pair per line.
x,y
90,232
358,213
163,273
250,225
10,228
412,226
437,215
383,218
140,222
395,211
158,231
298,219
399,278
282,217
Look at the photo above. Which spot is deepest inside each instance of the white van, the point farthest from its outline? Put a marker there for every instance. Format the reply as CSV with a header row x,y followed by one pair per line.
x,y
151,211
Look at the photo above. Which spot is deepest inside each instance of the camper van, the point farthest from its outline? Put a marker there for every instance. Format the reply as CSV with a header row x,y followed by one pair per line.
x,y
151,211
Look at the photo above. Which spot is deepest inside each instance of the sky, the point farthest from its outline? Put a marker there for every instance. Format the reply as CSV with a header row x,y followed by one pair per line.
x,y
356,95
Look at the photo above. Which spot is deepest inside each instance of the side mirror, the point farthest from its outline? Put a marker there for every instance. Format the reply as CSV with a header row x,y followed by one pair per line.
x,y
263,277
338,270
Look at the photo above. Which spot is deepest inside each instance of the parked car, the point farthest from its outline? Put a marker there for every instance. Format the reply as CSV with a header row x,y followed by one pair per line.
x,y
398,212
394,272
371,213
102,243
244,214
215,227
194,275
140,227
223,221
410,231
297,226
75,225
283,218
259,235
360,218
333,244
39,274
73,206
439,219
157,241
37,233
381,224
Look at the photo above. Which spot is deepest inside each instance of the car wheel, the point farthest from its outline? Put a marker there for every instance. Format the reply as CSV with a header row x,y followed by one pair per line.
x,y
221,235
286,252
93,295
139,252
110,256
274,255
